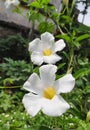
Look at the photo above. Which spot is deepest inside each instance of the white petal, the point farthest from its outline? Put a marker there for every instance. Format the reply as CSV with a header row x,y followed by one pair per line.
x,y
55,107
37,58
65,84
38,45
47,37
32,103
47,74
33,84
52,59
35,45
27,86
59,45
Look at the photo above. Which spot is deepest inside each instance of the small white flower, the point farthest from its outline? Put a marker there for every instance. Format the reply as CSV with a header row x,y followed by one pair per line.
x,y
44,50
8,3
45,92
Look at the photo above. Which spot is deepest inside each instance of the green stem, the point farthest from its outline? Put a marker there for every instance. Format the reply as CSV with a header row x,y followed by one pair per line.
x,y
10,87
69,69
56,124
60,30
72,6
32,67
31,64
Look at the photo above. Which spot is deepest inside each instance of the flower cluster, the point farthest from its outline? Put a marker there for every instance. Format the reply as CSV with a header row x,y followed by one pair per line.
x,y
44,89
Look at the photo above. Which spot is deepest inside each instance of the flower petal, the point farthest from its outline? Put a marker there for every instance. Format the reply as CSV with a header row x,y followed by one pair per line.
x,y
37,58
33,84
65,84
47,37
32,103
47,74
52,59
55,107
59,45
35,45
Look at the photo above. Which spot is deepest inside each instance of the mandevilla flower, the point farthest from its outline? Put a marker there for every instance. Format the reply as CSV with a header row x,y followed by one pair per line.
x,y
11,2
44,50
45,92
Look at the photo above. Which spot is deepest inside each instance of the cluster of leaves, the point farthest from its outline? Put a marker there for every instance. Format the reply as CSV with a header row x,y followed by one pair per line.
x,y
76,60
12,46
14,72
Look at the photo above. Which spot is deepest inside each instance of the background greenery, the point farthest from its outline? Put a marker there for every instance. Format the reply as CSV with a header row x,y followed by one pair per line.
x,y
15,68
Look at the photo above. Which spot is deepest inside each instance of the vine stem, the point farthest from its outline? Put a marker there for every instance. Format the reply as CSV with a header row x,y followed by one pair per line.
x,y
60,30
10,87
56,125
69,69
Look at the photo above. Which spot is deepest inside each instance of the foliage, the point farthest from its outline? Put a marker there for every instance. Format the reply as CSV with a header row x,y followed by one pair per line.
x,y
14,72
75,59
12,46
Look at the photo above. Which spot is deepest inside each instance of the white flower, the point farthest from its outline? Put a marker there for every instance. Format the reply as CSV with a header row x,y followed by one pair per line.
x,y
8,3
45,92
44,50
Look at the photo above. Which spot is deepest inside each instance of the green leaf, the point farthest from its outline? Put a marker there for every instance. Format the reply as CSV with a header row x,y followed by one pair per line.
x,y
88,126
65,37
7,81
25,0
82,37
35,4
66,18
44,1
87,89
84,127
83,28
81,72
35,128
39,3
4,128
35,15
17,10
61,65
44,26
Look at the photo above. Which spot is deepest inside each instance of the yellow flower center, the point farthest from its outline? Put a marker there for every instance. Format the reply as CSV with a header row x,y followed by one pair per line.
x,y
47,52
49,92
